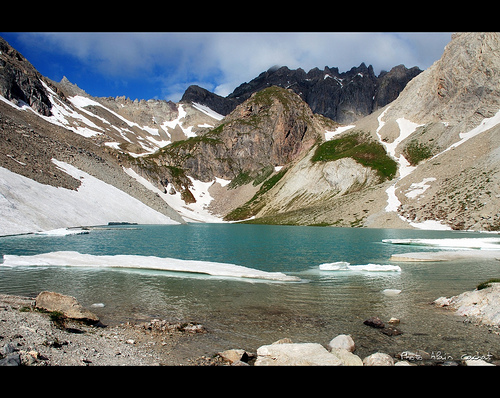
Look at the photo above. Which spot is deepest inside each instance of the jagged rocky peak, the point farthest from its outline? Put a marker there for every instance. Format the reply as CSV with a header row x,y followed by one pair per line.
x,y
343,97
202,96
20,81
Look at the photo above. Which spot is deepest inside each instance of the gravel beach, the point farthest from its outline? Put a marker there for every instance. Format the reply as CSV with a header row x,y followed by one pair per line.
x,y
30,337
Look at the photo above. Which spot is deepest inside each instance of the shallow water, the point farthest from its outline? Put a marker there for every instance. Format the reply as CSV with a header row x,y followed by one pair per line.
x,y
244,313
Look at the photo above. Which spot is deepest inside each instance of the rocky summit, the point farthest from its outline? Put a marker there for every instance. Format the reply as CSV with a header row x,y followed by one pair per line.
x,y
404,149
343,97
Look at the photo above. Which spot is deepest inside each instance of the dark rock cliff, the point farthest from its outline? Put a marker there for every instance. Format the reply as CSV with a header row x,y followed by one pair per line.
x,y
343,97
20,81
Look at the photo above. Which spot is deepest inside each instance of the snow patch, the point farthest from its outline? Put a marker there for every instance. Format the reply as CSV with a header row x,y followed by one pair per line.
x,y
418,188
188,131
330,134
207,111
486,124
196,212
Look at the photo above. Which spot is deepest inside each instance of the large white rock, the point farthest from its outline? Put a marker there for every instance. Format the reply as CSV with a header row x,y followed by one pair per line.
x,y
295,354
346,358
378,359
343,341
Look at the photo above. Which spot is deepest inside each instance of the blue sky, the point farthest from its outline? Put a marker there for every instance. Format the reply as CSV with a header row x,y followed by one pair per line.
x,y
158,65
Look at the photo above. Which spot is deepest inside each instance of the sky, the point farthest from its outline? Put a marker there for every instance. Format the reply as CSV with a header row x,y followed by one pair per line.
x,y
161,65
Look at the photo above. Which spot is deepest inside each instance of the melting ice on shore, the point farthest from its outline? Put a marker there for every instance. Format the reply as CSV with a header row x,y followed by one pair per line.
x,y
345,266
64,232
450,243
75,259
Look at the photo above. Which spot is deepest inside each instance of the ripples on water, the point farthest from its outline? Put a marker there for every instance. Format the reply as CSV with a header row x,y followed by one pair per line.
x,y
247,314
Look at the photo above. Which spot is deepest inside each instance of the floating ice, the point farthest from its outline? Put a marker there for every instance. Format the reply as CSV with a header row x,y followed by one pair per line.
x,y
339,265
345,266
451,243
75,259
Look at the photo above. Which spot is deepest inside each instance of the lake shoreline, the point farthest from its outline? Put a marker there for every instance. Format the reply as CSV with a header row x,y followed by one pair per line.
x,y
33,338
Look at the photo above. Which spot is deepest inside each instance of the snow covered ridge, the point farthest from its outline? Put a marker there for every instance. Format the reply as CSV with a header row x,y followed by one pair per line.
x,y
78,118
75,259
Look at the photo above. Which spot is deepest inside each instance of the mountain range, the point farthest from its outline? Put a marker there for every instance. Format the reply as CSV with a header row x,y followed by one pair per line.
x,y
405,149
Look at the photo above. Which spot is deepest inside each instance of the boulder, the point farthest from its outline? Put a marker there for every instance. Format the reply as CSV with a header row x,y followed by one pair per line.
x,y
346,358
67,305
482,305
343,341
298,354
233,356
378,359
477,362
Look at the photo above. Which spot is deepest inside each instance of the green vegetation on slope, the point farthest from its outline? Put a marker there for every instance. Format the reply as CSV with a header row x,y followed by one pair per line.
x,y
362,149
253,206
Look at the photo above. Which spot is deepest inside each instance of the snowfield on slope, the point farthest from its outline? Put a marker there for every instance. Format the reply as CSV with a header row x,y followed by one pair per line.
x,y
28,206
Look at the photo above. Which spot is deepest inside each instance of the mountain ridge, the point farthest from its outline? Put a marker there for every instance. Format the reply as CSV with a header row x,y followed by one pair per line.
x,y
343,97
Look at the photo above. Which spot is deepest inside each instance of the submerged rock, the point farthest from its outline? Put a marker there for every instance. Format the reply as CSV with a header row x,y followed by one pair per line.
x,y
374,322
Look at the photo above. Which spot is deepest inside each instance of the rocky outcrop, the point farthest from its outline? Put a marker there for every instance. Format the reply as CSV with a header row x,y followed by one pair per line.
x,y
270,129
215,102
481,306
342,97
461,88
20,81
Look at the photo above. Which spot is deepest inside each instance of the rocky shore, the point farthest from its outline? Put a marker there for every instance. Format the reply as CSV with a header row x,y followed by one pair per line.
x,y
54,330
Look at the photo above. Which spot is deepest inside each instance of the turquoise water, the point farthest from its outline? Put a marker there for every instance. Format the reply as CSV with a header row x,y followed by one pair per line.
x,y
243,313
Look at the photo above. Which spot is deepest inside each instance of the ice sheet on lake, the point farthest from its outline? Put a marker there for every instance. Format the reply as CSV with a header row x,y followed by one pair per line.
x,y
75,259
345,266
451,243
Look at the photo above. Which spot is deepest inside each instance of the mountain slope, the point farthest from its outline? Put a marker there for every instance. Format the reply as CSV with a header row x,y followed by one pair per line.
x,y
265,133
443,131
42,122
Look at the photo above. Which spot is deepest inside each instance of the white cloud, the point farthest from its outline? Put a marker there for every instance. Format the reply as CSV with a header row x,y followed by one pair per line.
x,y
225,60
